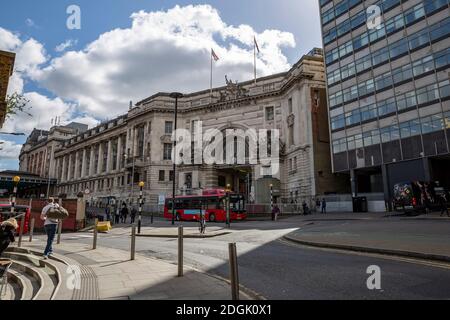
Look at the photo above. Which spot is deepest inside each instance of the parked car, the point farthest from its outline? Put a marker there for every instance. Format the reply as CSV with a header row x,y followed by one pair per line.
x,y
418,196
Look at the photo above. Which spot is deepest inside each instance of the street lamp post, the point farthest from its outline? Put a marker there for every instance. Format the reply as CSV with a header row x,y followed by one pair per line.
x,y
228,205
141,185
271,201
132,175
176,96
16,181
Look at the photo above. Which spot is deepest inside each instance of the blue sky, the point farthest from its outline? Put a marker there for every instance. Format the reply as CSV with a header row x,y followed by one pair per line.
x,y
125,57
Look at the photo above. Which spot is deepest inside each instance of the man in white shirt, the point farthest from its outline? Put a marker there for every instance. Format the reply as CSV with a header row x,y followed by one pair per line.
x,y
50,226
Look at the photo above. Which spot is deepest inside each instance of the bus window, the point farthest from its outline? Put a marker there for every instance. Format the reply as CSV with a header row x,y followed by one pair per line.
x,y
213,203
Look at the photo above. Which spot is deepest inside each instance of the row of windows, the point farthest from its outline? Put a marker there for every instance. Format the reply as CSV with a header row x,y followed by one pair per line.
x,y
415,69
338,10
401,102
393,51
390,26
357,20
394,132
324,2
162,175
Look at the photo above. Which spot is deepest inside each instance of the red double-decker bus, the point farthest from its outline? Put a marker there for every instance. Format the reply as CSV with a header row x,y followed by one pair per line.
x,y
212,203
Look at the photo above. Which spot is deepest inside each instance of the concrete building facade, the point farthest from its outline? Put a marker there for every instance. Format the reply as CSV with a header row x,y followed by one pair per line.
x,y
388,91
6,69
37,155
110,159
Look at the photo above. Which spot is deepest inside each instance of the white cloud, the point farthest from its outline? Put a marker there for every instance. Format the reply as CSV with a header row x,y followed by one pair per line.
x,y
9,150
161,51
43,109
66,44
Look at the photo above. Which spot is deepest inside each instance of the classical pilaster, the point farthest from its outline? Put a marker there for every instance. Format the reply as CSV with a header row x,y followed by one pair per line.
x,y
119,152
69,167
91,161
63,171
77,165
83,164
100,158
109,157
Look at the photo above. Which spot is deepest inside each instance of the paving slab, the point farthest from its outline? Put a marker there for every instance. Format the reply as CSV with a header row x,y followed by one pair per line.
x,y
144,278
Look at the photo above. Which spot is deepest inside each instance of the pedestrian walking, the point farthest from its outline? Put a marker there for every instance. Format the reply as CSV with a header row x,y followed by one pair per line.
x,y
443,205
317,205
133,214
108,213
275,212
7,230
124,213
305,208
117,215
324,206
50,226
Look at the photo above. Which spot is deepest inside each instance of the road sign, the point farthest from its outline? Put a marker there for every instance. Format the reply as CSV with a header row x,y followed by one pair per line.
x,y
161,199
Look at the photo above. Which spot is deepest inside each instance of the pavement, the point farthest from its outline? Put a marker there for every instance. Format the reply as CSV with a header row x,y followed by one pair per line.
x,y
417,237
145,278
279,269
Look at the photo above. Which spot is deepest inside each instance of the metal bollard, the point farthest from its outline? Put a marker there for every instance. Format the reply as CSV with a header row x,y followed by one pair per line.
x,y
94,245
133,241
180,251
234,276
22,224
31,229
58,241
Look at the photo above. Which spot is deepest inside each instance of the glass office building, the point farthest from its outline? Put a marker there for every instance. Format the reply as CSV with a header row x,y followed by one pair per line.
x,y
388,91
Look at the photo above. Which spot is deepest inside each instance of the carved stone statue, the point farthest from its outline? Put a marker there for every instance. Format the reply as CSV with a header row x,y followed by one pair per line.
x,y
233,91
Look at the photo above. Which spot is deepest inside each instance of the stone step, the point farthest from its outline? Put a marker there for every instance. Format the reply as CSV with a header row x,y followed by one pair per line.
x,y
25,286
10,292
45,276
88,289
64,289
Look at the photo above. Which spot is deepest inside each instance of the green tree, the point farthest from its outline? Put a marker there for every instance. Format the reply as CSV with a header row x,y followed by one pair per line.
x,y
16,103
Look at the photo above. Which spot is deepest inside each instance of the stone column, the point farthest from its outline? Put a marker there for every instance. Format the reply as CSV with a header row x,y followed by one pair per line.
x,y
119,152
134,143
83,164
91,161
109,157
69,167
77,164
100,158
63,170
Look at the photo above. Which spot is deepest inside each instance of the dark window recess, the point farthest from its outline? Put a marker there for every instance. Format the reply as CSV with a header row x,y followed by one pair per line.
x,y
412,147
391,151
372,155
340,161
434,143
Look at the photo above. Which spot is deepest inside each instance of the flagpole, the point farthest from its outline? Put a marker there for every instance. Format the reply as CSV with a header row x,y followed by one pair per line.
x,y
211,80
254,58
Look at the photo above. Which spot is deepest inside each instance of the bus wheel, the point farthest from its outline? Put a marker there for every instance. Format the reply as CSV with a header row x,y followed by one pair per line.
x,y
212,217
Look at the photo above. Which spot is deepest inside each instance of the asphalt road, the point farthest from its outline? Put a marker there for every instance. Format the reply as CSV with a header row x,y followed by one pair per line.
x,y
282,270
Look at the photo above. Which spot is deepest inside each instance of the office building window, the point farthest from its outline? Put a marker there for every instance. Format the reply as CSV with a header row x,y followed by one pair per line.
x,y
167,154
269,113
161,175
168,128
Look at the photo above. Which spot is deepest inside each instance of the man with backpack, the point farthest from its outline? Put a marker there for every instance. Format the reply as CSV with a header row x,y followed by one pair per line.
x,y
50,226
